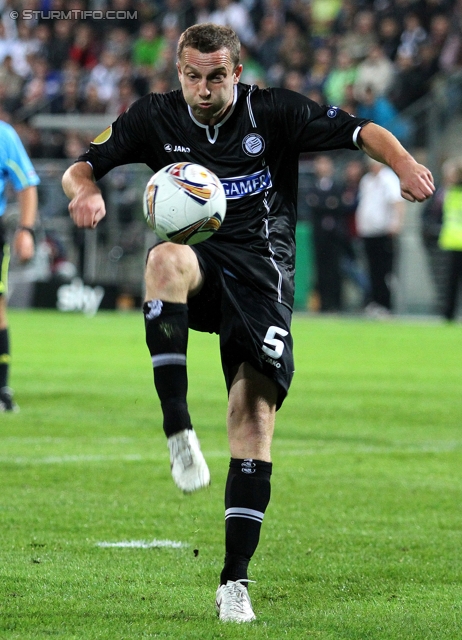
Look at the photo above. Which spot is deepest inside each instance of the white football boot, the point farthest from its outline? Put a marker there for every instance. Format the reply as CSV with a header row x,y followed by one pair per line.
x,y
189,468
233,602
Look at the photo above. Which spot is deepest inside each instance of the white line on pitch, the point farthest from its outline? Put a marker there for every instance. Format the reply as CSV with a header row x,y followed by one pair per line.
x,y
143,544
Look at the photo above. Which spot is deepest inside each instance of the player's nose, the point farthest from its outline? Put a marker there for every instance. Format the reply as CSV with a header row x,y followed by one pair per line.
x,y
204,90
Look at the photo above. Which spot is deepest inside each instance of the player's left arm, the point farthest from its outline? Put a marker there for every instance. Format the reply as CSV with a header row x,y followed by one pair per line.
x,y
24,237
415,179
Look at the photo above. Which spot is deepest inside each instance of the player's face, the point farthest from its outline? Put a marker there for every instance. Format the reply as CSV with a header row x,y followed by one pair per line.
x,y
207,81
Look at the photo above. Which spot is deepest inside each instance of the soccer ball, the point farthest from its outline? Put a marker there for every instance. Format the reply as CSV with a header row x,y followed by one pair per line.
x,y
184,203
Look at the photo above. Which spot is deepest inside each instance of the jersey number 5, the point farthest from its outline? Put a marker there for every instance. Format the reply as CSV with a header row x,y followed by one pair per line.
x,y
278,345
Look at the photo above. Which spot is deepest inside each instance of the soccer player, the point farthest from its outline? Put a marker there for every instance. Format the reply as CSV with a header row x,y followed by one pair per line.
x,y
240,282
16,167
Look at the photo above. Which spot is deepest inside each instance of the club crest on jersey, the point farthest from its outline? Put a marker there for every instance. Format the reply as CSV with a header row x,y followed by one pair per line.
x,y
332,112
253,144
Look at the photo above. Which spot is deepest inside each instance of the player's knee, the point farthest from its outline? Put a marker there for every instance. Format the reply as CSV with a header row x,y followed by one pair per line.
x,y
169,262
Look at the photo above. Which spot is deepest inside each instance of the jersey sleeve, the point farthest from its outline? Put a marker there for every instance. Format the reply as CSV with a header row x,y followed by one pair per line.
x,y
121,143
16,162
312,127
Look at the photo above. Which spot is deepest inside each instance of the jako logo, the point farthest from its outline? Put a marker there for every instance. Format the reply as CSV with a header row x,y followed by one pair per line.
x,y
79,297
169,148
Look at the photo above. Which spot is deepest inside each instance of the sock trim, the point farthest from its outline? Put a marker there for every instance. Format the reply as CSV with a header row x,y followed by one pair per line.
x,y
243,512
162,359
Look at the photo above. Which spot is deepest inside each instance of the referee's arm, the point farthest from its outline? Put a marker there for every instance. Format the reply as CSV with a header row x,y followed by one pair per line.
x,y
24,245
415,179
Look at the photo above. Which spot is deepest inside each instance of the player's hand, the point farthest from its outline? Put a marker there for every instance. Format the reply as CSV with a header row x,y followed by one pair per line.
x,y
416,182
24,245
87,209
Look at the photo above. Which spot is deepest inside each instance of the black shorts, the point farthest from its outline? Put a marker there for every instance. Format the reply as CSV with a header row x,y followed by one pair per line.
x,y
252,327
4,259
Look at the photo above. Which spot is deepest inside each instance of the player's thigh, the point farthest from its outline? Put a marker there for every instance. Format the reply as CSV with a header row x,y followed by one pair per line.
x,y
256,330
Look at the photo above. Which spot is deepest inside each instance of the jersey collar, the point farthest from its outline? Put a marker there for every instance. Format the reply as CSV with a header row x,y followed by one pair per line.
x,y
216,127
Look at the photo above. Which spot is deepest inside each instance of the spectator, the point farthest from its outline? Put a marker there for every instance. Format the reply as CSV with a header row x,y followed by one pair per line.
x,y
106,75
253,72
119,42
68,101
379,219
294,81
124,97
198,12
376,71
382,111
359,41
351,261
344,20
342,75
61,43
13,84
450,240
295,50
124,10
269,40
174,15
91,102
431,221
43,34
319,71
411,82
324,201
412,35
5,43
84,49
389,34
22,48
40,70
323,16
235,15
148,47
447,42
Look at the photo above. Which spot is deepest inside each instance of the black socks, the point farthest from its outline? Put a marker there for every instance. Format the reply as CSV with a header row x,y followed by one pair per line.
x,y
247,495
4,357
167,339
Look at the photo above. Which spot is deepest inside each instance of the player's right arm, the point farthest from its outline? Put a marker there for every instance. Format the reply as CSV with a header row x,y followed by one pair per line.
x,y
86,205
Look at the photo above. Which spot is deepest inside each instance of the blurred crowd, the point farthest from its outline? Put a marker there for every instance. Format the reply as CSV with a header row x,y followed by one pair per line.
x,y
372,57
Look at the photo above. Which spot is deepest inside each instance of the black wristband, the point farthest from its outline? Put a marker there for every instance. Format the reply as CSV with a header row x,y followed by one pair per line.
x,y
29,229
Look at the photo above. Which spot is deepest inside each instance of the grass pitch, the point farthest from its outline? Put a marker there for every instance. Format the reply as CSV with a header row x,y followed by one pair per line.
x,y
362,536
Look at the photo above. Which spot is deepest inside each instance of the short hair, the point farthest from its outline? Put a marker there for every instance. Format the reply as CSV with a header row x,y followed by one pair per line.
x,y
209,37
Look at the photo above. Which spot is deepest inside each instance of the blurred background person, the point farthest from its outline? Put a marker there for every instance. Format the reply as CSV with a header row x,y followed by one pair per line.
x,y
379,219
431,222
351,261
324,201
451,240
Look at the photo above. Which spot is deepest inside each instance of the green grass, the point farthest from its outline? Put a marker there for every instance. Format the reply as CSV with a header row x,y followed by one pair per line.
x,y
363,533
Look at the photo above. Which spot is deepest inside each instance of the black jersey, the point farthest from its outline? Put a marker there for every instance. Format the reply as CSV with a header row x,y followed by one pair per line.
x,y
254,151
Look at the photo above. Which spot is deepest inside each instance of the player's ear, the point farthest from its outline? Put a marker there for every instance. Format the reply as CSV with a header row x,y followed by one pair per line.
x,y
178,68
237,73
